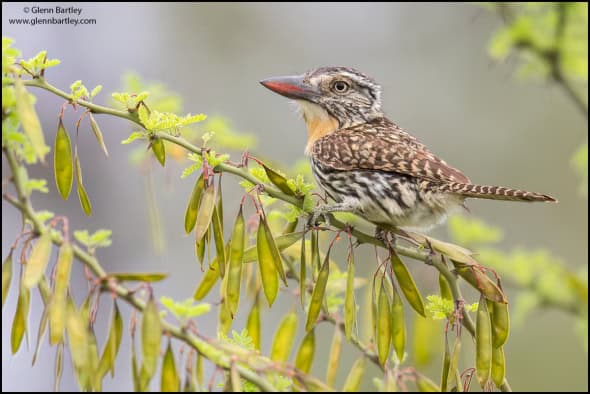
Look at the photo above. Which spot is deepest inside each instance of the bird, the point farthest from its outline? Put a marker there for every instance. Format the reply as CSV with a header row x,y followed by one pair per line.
x,y
370,166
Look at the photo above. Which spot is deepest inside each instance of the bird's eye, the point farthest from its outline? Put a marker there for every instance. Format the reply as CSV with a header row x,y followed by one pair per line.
x,y
340,86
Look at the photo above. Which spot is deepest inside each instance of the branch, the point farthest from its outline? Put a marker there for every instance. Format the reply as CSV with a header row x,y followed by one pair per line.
x,y
199,344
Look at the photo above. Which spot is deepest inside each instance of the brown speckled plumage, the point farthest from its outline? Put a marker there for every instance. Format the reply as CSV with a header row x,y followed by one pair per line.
x,y
369,165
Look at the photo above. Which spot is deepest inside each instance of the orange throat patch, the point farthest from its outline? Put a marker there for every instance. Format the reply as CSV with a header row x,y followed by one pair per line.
x,y
319,122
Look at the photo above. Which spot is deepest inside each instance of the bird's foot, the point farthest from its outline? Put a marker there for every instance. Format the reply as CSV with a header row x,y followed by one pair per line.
x,y
386,236
318,216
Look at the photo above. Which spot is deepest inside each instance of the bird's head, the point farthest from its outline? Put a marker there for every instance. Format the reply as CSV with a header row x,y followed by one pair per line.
x,y
330,98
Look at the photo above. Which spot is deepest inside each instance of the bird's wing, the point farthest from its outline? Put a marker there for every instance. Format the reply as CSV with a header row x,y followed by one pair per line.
x,y
383,146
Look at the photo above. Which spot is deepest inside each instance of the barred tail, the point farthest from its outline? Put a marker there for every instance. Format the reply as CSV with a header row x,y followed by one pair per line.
x,y
493,192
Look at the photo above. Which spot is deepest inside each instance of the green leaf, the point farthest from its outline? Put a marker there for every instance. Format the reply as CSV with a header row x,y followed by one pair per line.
x,y
205,213
151,335
236,261
407,284
306,352
159,150
284,338
266,264
317,296
192,209
134,136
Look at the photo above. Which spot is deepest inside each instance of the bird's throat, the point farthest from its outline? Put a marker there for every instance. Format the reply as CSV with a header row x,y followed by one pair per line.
x,y
319,122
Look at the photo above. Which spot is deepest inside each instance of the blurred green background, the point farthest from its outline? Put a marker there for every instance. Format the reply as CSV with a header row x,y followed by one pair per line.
x,y
439,83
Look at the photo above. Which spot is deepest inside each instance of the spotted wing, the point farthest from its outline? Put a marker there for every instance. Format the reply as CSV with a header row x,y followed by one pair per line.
x,y
383,146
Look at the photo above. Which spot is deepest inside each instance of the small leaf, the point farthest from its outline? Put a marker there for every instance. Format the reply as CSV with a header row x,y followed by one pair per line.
x,y
82,195
407,284
278,180
317,296
6,276
25,111
253,323
151,335
37,261
349,300
284,338
334,357
306,351
205,213
159,150
192,209
111,346
170,380
355,376
398,325
63,166
236,257
266,265
483,342
139,276
98,135
132,137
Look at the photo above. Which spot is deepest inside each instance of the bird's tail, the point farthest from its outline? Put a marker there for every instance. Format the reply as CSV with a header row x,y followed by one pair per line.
x,y
493,192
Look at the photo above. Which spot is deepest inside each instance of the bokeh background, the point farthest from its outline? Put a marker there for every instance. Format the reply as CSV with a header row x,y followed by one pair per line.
x,y
439,83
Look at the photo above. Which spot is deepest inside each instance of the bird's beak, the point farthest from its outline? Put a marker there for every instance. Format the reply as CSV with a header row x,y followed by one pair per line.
x,y
292,87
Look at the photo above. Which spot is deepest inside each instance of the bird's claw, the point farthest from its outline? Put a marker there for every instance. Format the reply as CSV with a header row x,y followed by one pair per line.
x,y
317,217
386,236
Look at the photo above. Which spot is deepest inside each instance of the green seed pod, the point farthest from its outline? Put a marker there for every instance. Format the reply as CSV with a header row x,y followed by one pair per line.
x,y
151,335
302,273
398,325
205,214
349,300
483,342
445,289
192,209
278,180
82,195
159,150
58,304
37,261
315,305
334,358
407,284
253,323
306,351
498,366
500,323
284,338
63,166
426,385
266,265
383,326
98,135
6,276
27,116
236,255
21,317
170,381
354,378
